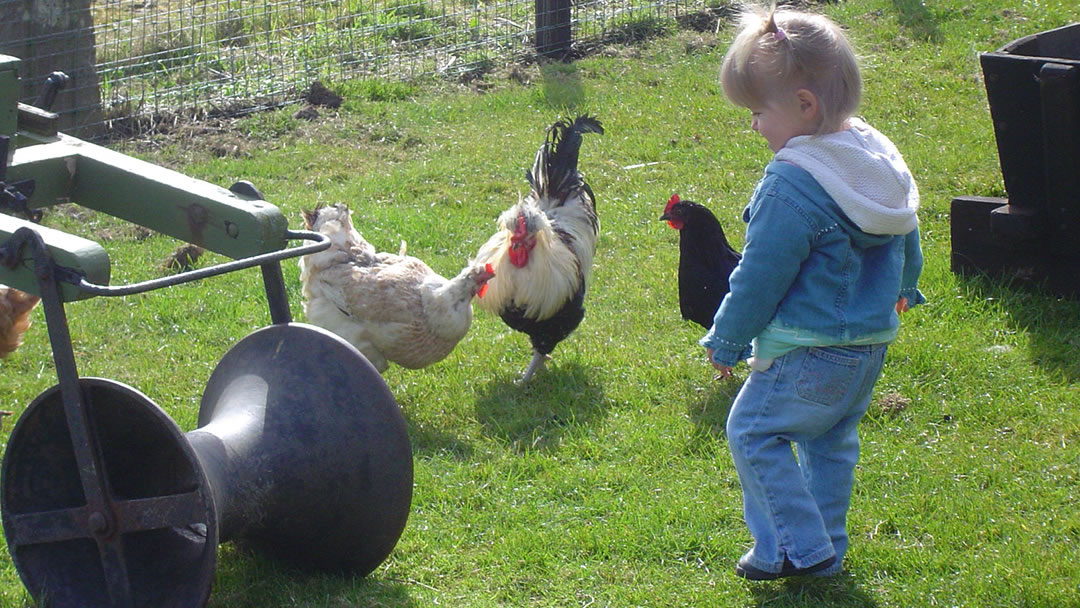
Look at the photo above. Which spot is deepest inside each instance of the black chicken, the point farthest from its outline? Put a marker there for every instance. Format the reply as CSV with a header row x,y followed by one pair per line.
x,y
705,260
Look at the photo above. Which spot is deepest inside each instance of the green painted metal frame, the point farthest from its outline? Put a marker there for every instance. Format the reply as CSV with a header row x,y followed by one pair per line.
x,y
66,169
82,256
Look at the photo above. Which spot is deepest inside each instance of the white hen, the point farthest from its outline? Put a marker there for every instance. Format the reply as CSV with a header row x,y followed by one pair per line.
x,y
390,307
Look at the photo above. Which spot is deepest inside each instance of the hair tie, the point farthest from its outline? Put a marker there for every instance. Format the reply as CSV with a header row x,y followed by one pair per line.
x,y
779,34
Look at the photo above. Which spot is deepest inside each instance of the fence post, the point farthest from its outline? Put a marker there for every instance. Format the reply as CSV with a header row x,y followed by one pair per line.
x,y
55,36
553,35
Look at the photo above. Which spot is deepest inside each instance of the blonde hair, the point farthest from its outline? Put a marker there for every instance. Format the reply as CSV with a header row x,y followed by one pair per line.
x,y
776,52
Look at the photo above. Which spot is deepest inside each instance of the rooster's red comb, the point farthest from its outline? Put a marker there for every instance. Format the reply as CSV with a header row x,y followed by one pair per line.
x,y
522,228
671,202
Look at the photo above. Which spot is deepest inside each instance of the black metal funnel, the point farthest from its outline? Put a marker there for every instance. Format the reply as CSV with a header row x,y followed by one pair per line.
x,y
306,446
301,452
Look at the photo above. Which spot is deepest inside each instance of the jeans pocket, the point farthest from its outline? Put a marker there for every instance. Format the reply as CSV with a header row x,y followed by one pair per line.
x,y
827,375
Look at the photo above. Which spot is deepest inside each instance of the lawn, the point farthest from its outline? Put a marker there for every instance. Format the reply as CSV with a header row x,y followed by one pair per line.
x,y
607,481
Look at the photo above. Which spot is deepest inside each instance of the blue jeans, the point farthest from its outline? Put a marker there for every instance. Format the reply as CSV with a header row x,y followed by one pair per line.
x,y
796,506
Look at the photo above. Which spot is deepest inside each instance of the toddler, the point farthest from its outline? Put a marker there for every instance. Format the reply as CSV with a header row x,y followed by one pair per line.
x,y
831,258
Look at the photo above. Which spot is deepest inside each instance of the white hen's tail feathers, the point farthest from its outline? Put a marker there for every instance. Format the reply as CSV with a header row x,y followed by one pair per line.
x,y
336,223
346,244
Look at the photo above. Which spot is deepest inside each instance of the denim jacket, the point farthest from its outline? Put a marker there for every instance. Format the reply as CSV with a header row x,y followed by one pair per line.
x,y
807,268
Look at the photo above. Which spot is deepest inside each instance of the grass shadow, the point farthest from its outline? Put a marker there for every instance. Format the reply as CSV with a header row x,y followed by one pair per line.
x,y
1051,322
916,18
248,579
536,416
562,88
709,411
430,441
841,590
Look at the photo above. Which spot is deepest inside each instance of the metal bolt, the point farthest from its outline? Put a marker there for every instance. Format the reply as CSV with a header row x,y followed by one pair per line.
x,y
232,229
98,524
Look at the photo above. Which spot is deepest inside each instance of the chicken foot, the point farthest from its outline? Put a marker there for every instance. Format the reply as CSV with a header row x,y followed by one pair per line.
x,y
537,363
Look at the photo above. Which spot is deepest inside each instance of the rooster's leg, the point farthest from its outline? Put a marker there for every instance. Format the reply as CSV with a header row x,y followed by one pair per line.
x,y
537,362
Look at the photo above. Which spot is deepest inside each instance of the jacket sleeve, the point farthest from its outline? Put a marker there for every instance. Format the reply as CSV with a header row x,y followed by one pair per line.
x,y
778,240
913,263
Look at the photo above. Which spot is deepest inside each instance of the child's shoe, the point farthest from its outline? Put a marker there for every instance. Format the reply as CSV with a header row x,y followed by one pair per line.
x,y
745,570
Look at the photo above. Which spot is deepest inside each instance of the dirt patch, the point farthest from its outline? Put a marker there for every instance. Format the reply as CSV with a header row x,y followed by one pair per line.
x,y
893,403
319,95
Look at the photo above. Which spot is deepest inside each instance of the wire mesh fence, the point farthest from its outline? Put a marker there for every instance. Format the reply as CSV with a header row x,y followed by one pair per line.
x,y
136,62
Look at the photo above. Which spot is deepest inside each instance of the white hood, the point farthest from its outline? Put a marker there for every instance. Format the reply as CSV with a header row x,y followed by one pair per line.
x,y
863,172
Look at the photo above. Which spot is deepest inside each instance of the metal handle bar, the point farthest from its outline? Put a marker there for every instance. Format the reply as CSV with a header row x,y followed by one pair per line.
x,y
322,242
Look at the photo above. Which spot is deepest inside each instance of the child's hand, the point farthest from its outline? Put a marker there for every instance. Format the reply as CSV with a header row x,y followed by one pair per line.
x,y
901,305
725,371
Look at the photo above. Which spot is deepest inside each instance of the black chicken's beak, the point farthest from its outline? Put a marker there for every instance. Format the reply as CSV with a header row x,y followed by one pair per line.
x,y
665,217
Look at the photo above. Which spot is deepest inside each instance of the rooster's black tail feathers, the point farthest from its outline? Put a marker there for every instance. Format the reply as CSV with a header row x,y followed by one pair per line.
x,y
554,173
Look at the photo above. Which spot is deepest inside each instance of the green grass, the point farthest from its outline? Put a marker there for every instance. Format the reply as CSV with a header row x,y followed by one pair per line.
x,y
607,482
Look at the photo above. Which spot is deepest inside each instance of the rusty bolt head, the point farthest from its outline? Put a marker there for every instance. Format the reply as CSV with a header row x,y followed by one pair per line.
x,y
98,523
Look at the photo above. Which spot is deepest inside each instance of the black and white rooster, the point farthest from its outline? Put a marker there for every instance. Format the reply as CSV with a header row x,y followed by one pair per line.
x,y
543,251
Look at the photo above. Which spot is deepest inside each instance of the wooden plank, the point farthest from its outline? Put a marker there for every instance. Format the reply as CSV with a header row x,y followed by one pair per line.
x,y
9,94
1060,97
553,31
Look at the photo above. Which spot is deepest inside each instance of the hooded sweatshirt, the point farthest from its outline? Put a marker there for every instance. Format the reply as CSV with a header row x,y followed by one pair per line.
x,y
832,243
863,172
